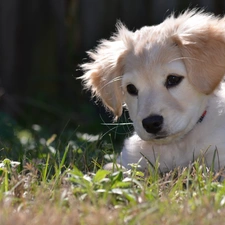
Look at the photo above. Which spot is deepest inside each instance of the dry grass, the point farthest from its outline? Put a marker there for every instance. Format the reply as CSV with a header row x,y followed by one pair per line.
x,y
47,213
42,210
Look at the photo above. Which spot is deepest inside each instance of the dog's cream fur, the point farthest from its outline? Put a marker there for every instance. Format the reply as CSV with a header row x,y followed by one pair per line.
x,y
192,46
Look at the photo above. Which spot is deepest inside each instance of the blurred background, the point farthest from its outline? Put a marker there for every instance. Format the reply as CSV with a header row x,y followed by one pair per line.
x,y
42,43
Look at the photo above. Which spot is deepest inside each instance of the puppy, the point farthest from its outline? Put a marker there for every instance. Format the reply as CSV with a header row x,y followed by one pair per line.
x,y
169,77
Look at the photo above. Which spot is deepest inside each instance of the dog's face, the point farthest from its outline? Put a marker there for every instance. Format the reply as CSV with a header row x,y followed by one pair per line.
x,y
162,103
163,74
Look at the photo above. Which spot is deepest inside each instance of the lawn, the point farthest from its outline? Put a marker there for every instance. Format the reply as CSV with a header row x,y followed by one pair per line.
x,y
59,179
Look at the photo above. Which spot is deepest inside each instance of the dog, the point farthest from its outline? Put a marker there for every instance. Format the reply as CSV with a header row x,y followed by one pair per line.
x,y
170,78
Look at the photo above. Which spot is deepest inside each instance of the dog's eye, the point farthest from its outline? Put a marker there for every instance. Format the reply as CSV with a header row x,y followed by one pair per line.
x,y
173,80
132,90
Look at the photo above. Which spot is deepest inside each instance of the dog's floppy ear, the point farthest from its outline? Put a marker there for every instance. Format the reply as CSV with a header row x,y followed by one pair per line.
x,y
202,45
103,75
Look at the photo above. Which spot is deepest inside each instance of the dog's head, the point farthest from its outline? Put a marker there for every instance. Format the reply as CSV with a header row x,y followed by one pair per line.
x,y
164,74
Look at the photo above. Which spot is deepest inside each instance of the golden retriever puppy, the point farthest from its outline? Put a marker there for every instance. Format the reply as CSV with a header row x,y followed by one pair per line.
x,y
169,77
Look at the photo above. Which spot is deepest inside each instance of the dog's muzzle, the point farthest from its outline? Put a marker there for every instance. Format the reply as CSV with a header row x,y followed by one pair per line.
x,y
153,124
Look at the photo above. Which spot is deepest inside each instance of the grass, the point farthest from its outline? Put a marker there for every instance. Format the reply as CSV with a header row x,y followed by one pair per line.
x,y
60,180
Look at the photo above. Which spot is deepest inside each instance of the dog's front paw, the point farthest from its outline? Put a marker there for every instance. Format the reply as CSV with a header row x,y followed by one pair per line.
x,y
113,166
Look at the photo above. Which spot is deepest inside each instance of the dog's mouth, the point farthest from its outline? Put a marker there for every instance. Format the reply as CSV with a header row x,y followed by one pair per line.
x,y
160,137
165,138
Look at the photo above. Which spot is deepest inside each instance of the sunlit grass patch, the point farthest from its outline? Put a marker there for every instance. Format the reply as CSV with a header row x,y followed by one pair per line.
x,y
59,179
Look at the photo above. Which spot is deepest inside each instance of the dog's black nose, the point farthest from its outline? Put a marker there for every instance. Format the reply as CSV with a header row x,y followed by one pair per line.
x,y
153,124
